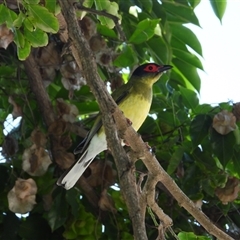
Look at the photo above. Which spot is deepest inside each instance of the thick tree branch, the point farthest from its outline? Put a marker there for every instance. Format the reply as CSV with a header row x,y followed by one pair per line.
x,y
106,104
149,192
36,84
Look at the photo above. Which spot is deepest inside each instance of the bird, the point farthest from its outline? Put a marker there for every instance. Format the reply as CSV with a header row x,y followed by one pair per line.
x,y
134,99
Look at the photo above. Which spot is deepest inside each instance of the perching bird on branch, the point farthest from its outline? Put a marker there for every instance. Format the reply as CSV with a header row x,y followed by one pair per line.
x,y
134,99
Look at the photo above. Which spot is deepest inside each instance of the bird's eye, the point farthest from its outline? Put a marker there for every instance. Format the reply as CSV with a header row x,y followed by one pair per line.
x,y
151,68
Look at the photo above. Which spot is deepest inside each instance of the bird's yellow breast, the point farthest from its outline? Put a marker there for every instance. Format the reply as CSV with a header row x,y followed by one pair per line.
x,y
136,108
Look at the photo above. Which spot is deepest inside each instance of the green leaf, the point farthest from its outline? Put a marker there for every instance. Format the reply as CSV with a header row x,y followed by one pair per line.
x,y
86,107
45,20
87,4
24,52
19,38
190,98
181,12
7,71
7,16
34,227
183,2
127,57
194,3
147,5
106,32
188,57
233,167
186,36
158,49
191,236
11,19
51,5
144,31
140,52
32,1
70,233
109,7
204,160
19,21
3,13
236,133
72,197
177,44
199,128
219,7
223,146
178,80
188,71
175,159
203,108
57,215
37,38
29,23
159,11
168,118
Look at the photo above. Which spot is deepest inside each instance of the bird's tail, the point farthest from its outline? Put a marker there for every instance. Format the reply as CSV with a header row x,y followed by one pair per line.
x,y
70,177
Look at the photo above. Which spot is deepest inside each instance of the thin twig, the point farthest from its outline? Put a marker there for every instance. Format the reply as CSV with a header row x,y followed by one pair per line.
x,y
173,233
105,14
140,180
161,233
156,224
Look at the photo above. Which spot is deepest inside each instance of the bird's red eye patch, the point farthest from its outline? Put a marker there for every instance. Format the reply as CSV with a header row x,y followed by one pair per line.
x,y
151,68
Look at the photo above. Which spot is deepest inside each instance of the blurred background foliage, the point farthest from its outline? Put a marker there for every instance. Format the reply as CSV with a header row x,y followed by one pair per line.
x,y
197,144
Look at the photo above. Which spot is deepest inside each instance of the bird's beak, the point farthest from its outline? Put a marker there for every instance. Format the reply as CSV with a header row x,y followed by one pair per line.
x,y
164,68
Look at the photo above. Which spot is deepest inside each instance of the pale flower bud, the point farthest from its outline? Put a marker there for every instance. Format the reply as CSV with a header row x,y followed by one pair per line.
x,y
35,160
68,112
224,122
230,192
72,78
6,36
21,198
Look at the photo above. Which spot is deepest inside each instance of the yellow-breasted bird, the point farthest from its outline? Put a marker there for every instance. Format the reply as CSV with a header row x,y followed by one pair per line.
x,y
134,99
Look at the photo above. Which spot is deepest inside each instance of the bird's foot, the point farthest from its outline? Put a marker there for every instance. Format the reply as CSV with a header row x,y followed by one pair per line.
x,y
152,150
129,122
148,146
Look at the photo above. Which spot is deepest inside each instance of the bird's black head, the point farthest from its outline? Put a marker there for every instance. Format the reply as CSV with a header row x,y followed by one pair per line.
x,y
151,69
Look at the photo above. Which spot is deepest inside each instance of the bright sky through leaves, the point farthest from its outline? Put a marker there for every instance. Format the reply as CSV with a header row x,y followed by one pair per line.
x,y
221,51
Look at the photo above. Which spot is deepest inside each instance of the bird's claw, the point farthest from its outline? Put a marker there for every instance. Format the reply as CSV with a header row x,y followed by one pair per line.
x,y
150,149
129,122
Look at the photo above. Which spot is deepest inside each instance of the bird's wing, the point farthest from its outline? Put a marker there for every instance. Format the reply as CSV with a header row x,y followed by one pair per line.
x,y
119,95
84,144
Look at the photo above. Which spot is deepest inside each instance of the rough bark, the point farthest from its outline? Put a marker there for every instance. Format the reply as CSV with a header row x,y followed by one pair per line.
x,y
36,84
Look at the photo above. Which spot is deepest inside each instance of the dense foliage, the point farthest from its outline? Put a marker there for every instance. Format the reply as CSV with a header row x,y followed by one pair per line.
x,y
197,144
